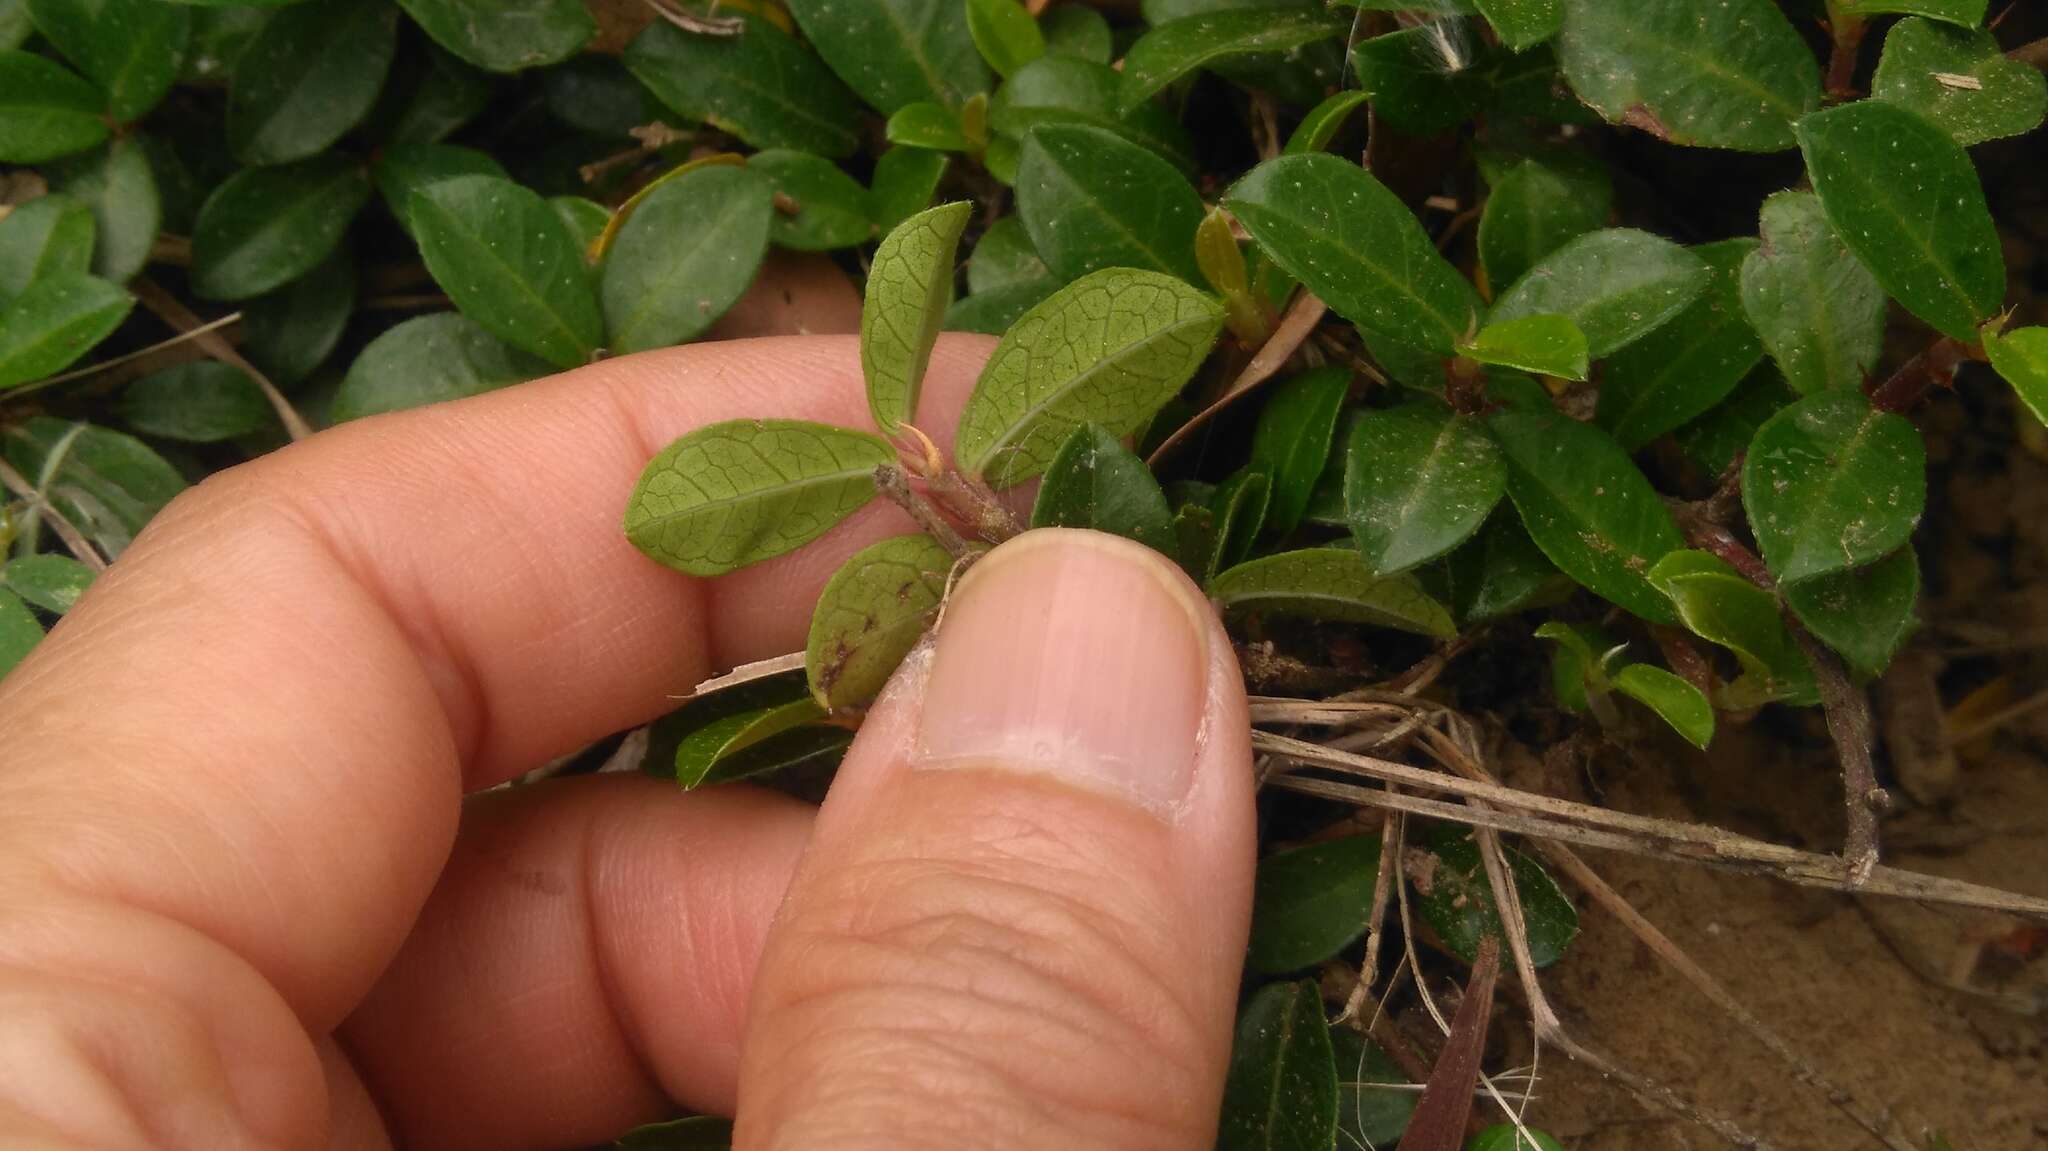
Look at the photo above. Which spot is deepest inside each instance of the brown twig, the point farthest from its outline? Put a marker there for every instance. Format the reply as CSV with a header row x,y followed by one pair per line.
x,y
81,549
1934,367
1391,835
894,485
2034,53
1847,708
173,312
1301,319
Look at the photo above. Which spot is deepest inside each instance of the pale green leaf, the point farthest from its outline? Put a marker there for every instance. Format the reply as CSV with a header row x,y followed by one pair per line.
x,y
1675,701
1545,344
872,612
107,483
49,581
50,235
1716,603
118,184
1322,122
909,288
2022,358
20,631
1005,34
1618,285
708,755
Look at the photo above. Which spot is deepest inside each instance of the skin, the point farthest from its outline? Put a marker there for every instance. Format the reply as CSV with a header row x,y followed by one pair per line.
x,y
254,892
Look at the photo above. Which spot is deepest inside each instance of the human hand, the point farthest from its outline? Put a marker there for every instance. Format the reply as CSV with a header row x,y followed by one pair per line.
x,y
236,909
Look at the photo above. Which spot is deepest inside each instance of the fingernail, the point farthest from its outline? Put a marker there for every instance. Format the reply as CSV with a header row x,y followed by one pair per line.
x,y
1076,655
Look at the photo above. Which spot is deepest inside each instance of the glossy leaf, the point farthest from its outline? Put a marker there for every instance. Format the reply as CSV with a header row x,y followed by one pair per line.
x,y
1293,440
697,1133
49,581
292,331
428,360
48,236
1865,614
1169,51
56,320
1523,24
310,75
1331,225
1716,440
927,125
1813,303
711,753
895,51
1676,702
1281,1090
505,35
818,207
687,253
1321,124
266,227
1716,603
1109,349
130,48
1077,30
743,491
202,402
20,631
1373,1099
871,613
904,183
1095,482
1456,901
1296,78
1005,34
219,34
1587,507
46,111
1092,200
1505,1137
1575,663
1904,197
1830,484
1500,571
1732,74
760,85
1422,78
108,484
1330,584
1618,285
1065,90
117,183
427,102
1419,481
994,312
1545,344
1966,13
910,286
1237,514
509,263
2021,357
1681,370
1309,903
1961,80
404,169
1536,207
1004,256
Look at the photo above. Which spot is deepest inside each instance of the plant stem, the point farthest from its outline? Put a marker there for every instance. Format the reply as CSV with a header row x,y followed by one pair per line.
x,y
894,484
1934,367
2034,53
81,549
1847,33
168,309
1848,714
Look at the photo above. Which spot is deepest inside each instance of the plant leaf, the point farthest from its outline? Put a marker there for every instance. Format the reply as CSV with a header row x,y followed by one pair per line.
x,y
1575,670
1456,900
1005,34
760,85
1523,24
904,182
1816,307
1373,1106
1092,200
20,631
927,125
50,235
1293,439
697,1133
507,260
1331,225
1680,371
1500,571
430,100
1065,90
743,491
49,581
1587,507
117,183
1904,197
1330,584
293,330
1675,701
1966,13
995,311
1864,614
711,753
1831,484
2021,357
1545,344
1536,207
1717,604
1077,30
46,110
202,402
505,35
1618,285
910,286
1237,510
310,75
818,207
1004,256
1716,440
404,169
1320,126
1419,481
266,227
1422,80
1960,79
872,612
108,484
130,48
1281,1091
1733,74
1095,482
1109,349
1506,1137
895,51
1169,51
427,360
58,319
1309,903
688,252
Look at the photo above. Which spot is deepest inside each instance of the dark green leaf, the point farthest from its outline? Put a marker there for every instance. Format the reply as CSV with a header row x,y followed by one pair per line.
x,y
1281,1092
1523,23
1373,1104
1717,604
697,1133
106,483
49,581
904,183
871,613
1545,344
1169,51
760,85
1237,510
1967,13
219,36
310,75
1419,481
1095,482
1675,701
1331,225
1066,90
1421,78
893,52
1733,74
1588,507
995,311
1109,349
909,289
1293,439
2022,358
430,94
927,125
1714,441
130,48
818,206
1864,614
1320,126
1456,901
1295,78
1618,285
46,111
202,402
1817,308
293,330
505,35
1831,484
1535,208
58,319
1960,79
585,219
15,28
1504,1137
1330,584
595,94
48,236
1092,200
1500,571
1681,370
713,753
266,227
1903,196
1312,902
686,254
506,259
743,491
20,631
1077,30
1003,256
117,183
1005,34
429,359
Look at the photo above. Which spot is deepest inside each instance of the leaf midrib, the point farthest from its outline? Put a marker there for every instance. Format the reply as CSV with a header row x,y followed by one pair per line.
x,y
785,487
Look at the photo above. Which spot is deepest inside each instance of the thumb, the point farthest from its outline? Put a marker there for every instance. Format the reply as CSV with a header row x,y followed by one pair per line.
x,y
1021,917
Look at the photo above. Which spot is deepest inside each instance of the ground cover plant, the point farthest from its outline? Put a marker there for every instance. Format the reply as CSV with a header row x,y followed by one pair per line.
x,y
1425,335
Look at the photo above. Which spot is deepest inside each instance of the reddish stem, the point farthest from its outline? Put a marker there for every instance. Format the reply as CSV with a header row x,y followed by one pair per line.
x,y
1935,367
